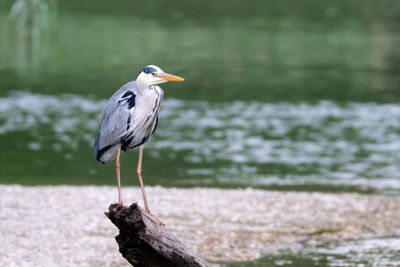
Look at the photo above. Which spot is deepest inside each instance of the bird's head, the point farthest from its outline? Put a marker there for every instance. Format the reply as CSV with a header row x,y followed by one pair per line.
x,y
152,75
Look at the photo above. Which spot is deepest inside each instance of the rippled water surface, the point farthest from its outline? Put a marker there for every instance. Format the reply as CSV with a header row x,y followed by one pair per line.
x,y
383,252
321,146
272,99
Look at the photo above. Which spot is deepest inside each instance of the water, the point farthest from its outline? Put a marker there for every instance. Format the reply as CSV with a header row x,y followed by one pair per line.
x,y
285,96
383,252
322,146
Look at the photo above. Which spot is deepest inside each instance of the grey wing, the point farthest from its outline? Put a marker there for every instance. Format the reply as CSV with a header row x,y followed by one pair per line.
x,y
115,123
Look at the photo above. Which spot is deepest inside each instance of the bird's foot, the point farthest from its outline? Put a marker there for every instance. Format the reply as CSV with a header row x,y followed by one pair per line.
x,y
157,220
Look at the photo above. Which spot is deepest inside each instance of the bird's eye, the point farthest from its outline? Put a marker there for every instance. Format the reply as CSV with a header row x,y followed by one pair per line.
x,y
153,73
148,70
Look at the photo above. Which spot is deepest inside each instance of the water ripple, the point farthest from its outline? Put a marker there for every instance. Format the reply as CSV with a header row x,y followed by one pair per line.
x,y
275,143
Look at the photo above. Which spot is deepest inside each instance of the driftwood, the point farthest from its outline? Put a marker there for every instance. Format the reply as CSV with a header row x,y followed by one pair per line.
x,y
144,242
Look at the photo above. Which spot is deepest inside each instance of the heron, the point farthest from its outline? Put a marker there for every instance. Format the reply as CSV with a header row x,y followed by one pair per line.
x,y
129,119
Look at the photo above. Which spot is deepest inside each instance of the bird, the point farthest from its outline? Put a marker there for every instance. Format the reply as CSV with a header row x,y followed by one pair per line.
x,y
129,119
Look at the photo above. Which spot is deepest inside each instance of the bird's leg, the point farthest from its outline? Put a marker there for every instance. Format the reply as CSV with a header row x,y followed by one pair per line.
x,y
117,168
139,174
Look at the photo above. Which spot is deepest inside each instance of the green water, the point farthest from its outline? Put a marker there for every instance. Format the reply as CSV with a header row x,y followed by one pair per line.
x,y
265,51
237,58
367,252
283,95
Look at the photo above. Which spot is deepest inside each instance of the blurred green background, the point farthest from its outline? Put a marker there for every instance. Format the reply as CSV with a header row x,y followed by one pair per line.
x,y
283,95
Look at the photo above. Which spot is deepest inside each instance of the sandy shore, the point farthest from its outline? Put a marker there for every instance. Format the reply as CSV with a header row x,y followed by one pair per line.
x,y
65,226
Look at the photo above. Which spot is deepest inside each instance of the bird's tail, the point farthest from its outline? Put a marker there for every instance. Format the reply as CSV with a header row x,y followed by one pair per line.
x,y
104,154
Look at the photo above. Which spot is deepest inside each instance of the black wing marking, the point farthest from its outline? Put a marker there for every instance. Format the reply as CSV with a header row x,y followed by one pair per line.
x,y
155,127
130,97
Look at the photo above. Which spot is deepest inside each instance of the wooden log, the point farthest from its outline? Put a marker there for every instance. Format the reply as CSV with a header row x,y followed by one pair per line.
x,y
143,241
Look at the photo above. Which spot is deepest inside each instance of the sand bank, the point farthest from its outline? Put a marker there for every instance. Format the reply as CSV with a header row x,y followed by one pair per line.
x,y
65,226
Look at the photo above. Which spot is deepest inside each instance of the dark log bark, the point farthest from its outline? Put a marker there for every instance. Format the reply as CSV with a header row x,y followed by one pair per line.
x,y
144,242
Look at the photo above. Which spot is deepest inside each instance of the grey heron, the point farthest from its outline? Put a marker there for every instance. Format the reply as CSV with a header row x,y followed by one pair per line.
x,y
130,118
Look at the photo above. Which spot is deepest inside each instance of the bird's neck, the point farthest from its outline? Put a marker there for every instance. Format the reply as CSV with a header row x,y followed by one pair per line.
x,y
142,85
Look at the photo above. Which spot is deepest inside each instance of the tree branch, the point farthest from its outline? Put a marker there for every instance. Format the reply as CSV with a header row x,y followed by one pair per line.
x,y
144,242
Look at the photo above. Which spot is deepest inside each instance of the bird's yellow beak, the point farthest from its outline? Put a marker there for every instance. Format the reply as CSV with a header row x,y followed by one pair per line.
x,y
169,77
